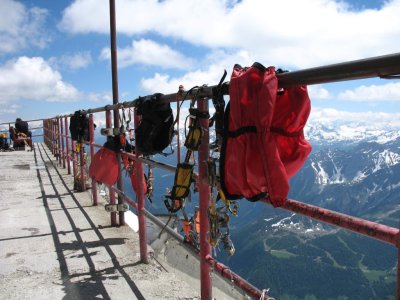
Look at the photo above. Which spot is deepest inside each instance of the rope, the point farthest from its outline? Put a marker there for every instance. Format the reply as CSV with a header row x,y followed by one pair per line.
x,y
264,295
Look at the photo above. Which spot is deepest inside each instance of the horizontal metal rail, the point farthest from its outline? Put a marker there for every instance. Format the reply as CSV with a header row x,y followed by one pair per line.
x,y
34,120
385,66
374,230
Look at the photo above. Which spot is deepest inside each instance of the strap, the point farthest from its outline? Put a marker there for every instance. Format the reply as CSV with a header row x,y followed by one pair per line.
x,y
286,133
242,130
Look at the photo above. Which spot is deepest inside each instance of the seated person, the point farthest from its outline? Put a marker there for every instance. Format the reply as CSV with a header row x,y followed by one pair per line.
x,y
20,140
3,141
22,128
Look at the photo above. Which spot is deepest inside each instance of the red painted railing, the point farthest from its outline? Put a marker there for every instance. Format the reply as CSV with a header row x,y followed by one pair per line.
x,y
54,137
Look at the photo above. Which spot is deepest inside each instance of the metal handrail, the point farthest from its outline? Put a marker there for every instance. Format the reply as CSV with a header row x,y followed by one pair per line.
x,y
387,66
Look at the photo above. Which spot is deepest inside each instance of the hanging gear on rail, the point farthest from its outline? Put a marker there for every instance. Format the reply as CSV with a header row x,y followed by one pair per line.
x,y
128,162
184,174
129,166
79,126
218,117
155,130
78,182
264,144
218,215
104,166
191,229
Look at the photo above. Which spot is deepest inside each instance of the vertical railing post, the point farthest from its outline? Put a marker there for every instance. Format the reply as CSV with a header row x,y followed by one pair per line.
x,y
59,141
140,199
398,270
82,164
62,142
111,191
67,145
114,69
73,156
53,136
44,132
204,194
91,133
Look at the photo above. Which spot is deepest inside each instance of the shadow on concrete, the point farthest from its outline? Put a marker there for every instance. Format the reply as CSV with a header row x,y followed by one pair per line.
x,y
91,285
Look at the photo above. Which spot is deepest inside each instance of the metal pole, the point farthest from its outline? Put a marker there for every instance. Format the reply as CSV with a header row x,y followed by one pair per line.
x,y
379,66
59,141
234,278
94,185
73,155
82,165
62,142
378,231
111,191
67,146
398,272
53,136
114,67
386,66
140,200
204,196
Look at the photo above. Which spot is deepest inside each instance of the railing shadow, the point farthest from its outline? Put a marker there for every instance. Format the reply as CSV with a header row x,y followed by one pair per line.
x,y
90,284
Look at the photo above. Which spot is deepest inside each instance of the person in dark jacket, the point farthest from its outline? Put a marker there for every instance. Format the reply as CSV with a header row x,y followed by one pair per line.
x,y
22,127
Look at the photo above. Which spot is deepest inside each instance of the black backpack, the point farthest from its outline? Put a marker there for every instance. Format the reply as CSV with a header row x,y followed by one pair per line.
x,y
155,130
22,127
79,126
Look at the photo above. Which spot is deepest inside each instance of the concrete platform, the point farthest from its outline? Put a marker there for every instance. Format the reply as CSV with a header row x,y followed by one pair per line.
x,y
55,245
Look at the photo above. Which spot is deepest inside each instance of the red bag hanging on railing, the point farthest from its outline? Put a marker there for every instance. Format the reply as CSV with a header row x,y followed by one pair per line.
x,y
104,166
129,165
263,144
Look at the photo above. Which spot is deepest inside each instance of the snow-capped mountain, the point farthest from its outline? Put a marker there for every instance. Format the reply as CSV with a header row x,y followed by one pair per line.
x,y
321,134
357,179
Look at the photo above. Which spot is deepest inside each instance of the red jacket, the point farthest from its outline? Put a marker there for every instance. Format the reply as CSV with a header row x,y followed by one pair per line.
x,y
264,144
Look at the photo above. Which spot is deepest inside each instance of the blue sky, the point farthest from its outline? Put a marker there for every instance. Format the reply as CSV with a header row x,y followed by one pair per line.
x,y
54,55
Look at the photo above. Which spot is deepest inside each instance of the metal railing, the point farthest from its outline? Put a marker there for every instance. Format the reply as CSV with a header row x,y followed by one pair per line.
x,y
57,138
8,125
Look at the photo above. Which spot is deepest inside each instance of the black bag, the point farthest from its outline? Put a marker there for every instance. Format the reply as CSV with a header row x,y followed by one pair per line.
x,y
155,130
79,126
22,127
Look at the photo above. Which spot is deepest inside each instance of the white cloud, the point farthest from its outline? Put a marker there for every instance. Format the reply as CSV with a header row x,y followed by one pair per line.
x,y
318,92
21,27
149,52
99,97
217,61
73,62
166,84
33,79
9,109
373,93
282,33
334,117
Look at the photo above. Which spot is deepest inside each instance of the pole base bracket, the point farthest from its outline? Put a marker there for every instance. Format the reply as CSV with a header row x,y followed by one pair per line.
x,y
116,207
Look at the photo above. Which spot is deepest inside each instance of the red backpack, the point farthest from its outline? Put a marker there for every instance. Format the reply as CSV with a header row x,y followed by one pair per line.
x,y
104,166
264,144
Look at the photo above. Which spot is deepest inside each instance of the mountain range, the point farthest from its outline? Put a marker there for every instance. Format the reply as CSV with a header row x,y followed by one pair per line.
x,y
299,258
353,169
